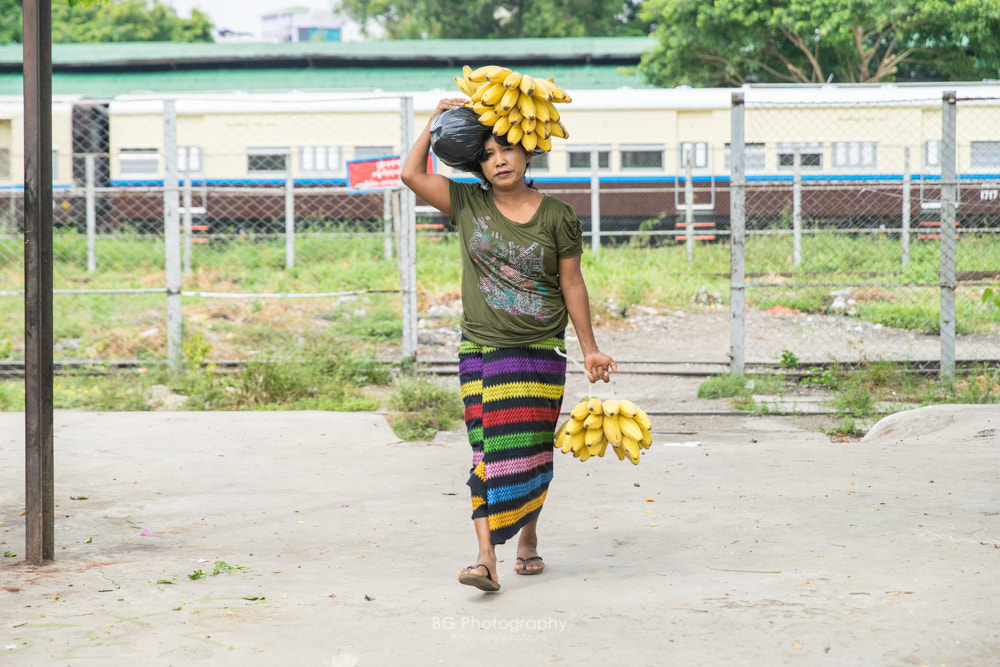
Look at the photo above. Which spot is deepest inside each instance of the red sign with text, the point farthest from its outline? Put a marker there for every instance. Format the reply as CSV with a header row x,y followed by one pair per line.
x,y
378,173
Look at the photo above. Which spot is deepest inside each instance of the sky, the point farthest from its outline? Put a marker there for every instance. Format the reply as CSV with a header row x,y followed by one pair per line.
x,y
240,15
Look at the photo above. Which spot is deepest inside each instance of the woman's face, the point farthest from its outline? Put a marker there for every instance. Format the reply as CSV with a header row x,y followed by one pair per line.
x,y
503,165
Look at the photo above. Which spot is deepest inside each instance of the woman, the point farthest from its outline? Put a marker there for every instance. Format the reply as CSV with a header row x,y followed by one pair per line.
x,y
521,278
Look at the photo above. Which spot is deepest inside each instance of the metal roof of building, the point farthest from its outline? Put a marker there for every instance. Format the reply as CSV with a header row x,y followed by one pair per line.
x,y
397,79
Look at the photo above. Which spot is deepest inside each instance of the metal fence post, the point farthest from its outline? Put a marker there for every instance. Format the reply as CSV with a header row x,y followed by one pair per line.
x,y
387,225
188,215
905,228
797,209
289,214
408,240
948,205
737,239
172,236
688,206
91,214
595,201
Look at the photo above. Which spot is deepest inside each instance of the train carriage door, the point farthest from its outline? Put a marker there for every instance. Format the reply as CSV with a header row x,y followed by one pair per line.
x,y
930,161
694,142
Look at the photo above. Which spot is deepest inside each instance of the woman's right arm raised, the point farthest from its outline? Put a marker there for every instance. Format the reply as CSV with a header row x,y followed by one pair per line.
x,y
432,188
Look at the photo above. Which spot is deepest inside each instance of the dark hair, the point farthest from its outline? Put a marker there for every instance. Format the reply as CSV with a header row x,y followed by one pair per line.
x,y
501,139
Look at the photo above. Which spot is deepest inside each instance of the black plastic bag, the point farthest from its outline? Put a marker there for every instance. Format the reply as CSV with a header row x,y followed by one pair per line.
x,y
457,138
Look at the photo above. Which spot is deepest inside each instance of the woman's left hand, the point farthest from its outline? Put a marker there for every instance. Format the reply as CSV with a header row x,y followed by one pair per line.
x,y
599,366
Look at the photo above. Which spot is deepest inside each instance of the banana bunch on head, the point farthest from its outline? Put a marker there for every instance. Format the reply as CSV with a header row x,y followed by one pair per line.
x,y
515,105
594,423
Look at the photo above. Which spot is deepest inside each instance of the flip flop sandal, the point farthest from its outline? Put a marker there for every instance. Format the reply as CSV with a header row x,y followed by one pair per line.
x,y
524,565
479,581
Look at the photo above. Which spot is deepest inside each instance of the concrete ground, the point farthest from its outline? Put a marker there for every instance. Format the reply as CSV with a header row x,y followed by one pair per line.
x,y
322,540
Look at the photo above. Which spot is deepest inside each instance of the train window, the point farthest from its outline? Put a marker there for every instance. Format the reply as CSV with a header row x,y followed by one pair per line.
x,y
753,157
641,157
847,154
267,160
371,152
579,158
932,153
985,154
540,162
698,151
810,155
189,159
319,158
4,163
139,161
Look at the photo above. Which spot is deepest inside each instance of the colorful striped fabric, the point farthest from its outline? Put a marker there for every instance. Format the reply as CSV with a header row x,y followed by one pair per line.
x,y
512,399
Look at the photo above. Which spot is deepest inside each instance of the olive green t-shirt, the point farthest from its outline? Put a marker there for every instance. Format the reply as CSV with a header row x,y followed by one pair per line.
x,y
510,270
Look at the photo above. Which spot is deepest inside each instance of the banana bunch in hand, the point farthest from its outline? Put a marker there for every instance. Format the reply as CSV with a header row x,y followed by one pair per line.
x,y
515,105
593,424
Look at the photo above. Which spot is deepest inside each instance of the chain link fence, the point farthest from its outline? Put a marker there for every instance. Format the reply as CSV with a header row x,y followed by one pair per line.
x,y
860,244
274,209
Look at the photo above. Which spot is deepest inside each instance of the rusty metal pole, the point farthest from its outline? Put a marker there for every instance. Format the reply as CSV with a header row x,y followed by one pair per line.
x,y
39,515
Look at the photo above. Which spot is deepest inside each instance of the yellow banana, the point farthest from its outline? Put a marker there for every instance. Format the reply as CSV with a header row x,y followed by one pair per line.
x,y
558,129
480,108
530,141
577,441
528,124
558,94
567,445
594,406
610,407
580,410
599,448
611,430
498,75
629,428
593,436
509,99
573,426
527,85
618,449
514,134
515,116
526,103
512,80
593,421
464,86
543,90
583,454
493,94
544,142
628,407
477,94
631,448
642,419
542,114
489,117
481,74
502,125
647,437
559,437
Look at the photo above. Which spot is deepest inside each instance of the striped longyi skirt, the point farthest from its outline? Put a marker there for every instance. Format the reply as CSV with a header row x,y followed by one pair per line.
x,y
512,399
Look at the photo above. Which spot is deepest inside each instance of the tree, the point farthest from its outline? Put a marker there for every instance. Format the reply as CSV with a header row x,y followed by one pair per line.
x,y
732,42
492,19
121,21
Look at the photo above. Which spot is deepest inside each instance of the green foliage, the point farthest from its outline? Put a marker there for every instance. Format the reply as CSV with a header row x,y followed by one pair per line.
x,y
77,21
788,359
423,407
489,19
732,42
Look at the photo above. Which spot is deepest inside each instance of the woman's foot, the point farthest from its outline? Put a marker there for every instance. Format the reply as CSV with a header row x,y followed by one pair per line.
x,y
481,576
529,565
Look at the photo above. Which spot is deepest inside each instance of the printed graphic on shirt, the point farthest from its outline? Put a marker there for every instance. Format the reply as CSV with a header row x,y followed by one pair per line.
x,y
513,274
